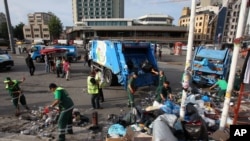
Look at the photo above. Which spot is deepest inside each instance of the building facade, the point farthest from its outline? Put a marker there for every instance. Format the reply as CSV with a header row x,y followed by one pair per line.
x,y
231,22
97,9
154,20
37,26
204,29
204,3
151,28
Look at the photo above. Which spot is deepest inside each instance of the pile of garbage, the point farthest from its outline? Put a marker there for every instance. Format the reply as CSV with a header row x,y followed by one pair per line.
x,y
161,121
43,122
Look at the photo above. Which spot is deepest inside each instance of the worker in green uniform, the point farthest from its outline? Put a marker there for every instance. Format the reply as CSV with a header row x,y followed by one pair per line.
x,y
222,84
162,78
16,93
131,88
165,92
66,106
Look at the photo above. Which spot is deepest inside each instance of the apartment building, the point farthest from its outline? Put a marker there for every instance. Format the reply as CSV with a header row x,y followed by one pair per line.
x,y
231,22
97,9
204,29
37,26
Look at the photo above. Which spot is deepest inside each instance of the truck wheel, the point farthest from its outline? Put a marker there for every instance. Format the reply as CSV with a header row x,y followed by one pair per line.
x,y
38,60
108,76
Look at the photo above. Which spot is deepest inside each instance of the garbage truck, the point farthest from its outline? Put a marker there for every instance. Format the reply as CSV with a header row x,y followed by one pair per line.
x,y
72,52
118,59
208,63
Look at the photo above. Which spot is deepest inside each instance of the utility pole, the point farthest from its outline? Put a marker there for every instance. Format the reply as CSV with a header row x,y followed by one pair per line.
x,y
186,78
239,34
9,27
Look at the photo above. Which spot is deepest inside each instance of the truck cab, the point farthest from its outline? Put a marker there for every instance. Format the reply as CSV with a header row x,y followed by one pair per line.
x,y
35,52
208,62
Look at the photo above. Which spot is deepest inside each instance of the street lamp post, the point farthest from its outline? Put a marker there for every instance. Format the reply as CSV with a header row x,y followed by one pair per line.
x,y
9,27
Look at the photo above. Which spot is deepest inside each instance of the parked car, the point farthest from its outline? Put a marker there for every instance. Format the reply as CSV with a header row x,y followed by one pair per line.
x,y
6,61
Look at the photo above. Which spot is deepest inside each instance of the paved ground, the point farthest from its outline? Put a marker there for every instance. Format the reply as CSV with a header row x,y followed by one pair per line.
x,y
37,93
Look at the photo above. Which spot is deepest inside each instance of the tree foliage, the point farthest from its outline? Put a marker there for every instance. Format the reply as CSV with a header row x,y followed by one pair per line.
x,y
18,31
55,27
4,31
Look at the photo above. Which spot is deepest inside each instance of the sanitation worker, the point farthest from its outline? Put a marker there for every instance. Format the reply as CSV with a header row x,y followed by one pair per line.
x,y
93,90
66,106
222,84
16,93
100,80
165,92
162,78
131,88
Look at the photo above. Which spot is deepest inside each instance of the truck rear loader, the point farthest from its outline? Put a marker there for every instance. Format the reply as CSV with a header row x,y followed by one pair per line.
x,y
117,60
208,62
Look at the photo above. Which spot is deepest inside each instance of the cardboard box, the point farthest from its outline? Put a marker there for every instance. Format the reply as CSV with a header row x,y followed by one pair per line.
x,y
115,139
141,137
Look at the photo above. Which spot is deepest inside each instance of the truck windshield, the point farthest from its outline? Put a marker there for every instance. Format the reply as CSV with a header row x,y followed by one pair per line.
x,y
34,49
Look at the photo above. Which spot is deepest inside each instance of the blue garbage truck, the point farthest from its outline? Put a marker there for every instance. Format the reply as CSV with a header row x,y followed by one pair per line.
x,y
209,62
118,59
72,52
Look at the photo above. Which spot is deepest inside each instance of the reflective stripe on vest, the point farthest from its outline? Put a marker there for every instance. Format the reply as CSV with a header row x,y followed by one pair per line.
x,y
92,88
7,85
59,88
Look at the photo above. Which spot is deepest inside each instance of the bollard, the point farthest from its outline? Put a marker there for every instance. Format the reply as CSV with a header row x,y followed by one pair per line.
x,y
95,118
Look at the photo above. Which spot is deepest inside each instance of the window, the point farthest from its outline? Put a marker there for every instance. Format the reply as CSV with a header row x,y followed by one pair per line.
x,y
234,14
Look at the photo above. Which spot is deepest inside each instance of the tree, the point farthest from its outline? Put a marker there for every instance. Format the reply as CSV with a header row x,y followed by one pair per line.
x,y
4,31
18,31
55,27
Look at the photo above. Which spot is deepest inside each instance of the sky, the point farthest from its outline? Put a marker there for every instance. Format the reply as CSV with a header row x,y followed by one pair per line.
x,y
19,9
